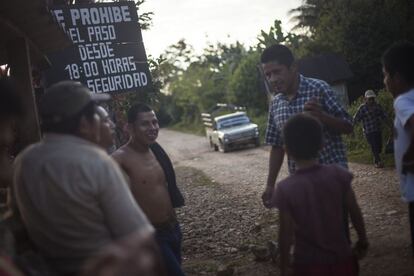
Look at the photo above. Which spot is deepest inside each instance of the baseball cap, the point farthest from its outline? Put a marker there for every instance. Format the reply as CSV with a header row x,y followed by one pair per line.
x,y
65,99
370,94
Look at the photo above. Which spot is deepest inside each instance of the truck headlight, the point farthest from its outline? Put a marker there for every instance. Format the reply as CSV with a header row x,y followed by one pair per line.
x,y
226,138
256,131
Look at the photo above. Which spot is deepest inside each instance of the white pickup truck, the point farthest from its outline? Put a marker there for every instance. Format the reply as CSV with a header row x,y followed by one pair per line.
x,y
229,131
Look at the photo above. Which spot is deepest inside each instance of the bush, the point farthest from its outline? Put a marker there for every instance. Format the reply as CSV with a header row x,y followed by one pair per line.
x,y
261,122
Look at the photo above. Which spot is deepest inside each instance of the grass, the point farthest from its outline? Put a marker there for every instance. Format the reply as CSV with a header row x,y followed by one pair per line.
x,y
198,177
364,156
189,128
197,266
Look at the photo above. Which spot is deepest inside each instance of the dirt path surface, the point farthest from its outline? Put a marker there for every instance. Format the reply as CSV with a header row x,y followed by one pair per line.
x,y
225,227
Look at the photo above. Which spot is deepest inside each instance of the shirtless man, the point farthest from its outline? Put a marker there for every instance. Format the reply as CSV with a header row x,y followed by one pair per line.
x,y
152,182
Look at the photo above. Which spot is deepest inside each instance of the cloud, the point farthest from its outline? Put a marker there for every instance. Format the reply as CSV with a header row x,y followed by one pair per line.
x,y
202,21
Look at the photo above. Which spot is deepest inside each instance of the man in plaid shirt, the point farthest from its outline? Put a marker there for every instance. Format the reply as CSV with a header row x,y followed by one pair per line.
x,y
372,115
294,94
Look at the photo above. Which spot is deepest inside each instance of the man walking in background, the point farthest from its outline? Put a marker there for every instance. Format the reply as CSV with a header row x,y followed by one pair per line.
x,y
372,115
294,94
152,182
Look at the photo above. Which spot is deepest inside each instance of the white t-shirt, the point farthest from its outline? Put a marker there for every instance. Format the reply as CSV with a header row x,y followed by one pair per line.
x,y
404,109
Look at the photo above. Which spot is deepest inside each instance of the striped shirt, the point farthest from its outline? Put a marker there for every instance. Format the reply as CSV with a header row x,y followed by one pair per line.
x,y
281,109
371,117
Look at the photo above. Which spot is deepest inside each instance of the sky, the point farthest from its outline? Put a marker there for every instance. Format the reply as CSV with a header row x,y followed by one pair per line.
x,y
201,22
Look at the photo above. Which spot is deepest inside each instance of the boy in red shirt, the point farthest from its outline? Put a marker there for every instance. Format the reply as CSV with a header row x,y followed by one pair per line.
x,y
312,204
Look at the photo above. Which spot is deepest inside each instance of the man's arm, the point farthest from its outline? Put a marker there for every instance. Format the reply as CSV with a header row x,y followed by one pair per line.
x,y
286,233
358,223
137,254
408,157
339,125
119,156
328,110
386,119
275,162
357,116
404,112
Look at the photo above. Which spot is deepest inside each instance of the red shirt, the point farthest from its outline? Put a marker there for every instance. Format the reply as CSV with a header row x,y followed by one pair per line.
x,y
315,198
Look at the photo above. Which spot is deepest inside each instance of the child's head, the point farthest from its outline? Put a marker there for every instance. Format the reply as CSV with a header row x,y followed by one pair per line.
x,y
303,137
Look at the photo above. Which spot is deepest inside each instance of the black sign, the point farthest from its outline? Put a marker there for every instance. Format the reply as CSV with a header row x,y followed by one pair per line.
x,y
108,54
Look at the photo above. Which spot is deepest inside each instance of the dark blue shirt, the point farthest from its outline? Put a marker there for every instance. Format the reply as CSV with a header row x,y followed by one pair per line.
x,y
371,117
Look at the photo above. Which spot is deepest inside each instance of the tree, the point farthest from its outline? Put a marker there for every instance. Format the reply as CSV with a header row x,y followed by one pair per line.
x,y
275,35
307,15
360,30
196,83
245,87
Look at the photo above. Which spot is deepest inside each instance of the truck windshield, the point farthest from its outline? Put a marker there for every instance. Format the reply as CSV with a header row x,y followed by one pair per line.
x,y
232,121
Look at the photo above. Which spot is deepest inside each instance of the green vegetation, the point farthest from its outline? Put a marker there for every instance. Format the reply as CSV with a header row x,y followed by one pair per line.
x,y
200,266
364,156
261,121
193,128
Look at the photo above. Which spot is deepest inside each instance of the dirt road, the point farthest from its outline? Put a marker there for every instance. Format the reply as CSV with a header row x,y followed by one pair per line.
x,y
224,222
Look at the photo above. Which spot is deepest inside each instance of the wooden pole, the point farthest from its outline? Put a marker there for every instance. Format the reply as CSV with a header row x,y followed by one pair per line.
x,y
21,72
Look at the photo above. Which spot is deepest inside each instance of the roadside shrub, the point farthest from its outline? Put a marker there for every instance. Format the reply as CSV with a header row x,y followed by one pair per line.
x,y
261,121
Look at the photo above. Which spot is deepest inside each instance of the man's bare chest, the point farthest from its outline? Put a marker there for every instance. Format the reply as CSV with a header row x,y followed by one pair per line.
x,y
145,171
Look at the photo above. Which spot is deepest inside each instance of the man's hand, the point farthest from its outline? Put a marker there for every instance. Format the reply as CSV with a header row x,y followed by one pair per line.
x,y
360,249
137,254
314,108
336,124
267,196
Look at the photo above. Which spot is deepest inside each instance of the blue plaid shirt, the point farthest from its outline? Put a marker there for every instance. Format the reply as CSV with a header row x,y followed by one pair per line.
x,y
371,118
281,109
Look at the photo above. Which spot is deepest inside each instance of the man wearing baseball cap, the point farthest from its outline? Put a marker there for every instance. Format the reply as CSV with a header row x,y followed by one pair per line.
x,y
372,115
72,197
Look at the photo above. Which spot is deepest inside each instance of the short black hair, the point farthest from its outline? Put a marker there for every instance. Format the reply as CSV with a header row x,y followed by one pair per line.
x,y
11,105
303,136
70,125
135,109
277,53
399,58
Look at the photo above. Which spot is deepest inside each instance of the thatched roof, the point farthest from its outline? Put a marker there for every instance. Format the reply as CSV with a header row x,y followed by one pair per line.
x,y
31,20
331,68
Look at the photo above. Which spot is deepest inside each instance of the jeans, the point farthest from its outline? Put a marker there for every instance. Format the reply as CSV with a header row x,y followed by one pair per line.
x,y
375,141
169,241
